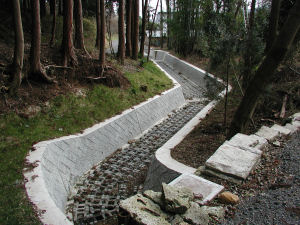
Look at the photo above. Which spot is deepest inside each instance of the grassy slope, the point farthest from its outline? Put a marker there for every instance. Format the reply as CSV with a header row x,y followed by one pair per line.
x,y
65,115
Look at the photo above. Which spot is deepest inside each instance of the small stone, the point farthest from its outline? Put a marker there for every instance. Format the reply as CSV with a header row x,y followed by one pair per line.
x,y
176,199
229,198
154,196
196,215
276,143
30,111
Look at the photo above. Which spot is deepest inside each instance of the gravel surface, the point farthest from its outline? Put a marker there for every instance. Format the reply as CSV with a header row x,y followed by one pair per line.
x,y
280,203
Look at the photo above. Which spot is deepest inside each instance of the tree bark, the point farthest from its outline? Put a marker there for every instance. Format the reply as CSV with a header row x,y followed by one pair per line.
x,y
265,72
144,21
273,23
43,8
121,47
53,6
79,39
36,71
168,23
128,27
67,43
102,36
135,44
18,50
98,24
247,74
161,27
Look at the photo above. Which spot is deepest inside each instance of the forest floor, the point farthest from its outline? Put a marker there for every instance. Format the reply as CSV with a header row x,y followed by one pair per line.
x,y
210,133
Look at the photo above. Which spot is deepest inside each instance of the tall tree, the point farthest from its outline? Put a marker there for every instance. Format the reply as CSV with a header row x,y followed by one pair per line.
x,y
168,23
102,36
98,24
79,39
144,21
161,26
273,24
247,74
67,43
121,47
53,12
19,48
128,27
135,43
36,71
43,8
265,72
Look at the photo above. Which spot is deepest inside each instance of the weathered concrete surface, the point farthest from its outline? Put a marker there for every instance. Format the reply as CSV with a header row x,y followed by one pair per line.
x,y
233,161
60,162
144,211
199,186
156,197
176,199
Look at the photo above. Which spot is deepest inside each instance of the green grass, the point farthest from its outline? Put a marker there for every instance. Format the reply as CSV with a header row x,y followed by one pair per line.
x,y
65,115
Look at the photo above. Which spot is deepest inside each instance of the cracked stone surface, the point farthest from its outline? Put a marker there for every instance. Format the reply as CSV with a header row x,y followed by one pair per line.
x,y
99,191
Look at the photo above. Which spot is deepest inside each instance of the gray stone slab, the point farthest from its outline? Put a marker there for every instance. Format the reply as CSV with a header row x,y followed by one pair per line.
x,y
252,141
292,127
233,161
246,148
282,130
199,186
267,133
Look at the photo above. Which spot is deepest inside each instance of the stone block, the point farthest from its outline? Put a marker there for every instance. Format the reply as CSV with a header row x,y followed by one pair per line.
x,y
282,130
199,186
252,141
267,133
233,161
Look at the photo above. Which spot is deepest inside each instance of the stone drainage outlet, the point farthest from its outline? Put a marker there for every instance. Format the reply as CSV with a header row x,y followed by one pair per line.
x,y
117,152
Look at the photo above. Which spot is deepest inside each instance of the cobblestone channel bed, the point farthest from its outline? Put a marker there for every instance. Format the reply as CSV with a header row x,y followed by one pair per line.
x,y
98,192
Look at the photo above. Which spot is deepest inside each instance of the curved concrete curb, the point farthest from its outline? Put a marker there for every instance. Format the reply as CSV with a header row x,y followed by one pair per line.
x,y
55,165
163,167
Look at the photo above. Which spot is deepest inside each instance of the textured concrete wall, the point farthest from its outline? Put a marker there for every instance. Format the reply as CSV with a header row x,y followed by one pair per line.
x,y
60,162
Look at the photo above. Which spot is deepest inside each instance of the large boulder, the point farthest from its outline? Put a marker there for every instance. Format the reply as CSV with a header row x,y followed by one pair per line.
x,y
176,199
144,211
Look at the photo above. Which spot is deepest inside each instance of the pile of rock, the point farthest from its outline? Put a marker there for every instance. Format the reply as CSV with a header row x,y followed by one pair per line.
x,y
174,205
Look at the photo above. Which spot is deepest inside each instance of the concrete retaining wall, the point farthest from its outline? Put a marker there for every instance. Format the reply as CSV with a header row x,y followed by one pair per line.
x,y
59,163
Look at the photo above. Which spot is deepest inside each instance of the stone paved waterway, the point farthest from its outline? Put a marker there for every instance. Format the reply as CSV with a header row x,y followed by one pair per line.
x,y
98,192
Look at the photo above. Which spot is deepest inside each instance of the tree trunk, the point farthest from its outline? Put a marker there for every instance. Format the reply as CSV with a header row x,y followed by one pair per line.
x,y
273,24
36,71
135,44
144,21
19,48
128,27
43,8
53,6
121,47
60,7
102,36
98,22
247,74
79,40
168,23
67,43
161,27
265,72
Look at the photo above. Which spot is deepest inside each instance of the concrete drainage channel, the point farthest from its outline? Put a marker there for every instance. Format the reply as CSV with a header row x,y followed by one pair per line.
x,y
58,167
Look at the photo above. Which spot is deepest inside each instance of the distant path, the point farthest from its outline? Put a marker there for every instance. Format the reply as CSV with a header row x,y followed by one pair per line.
x,y
279,206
